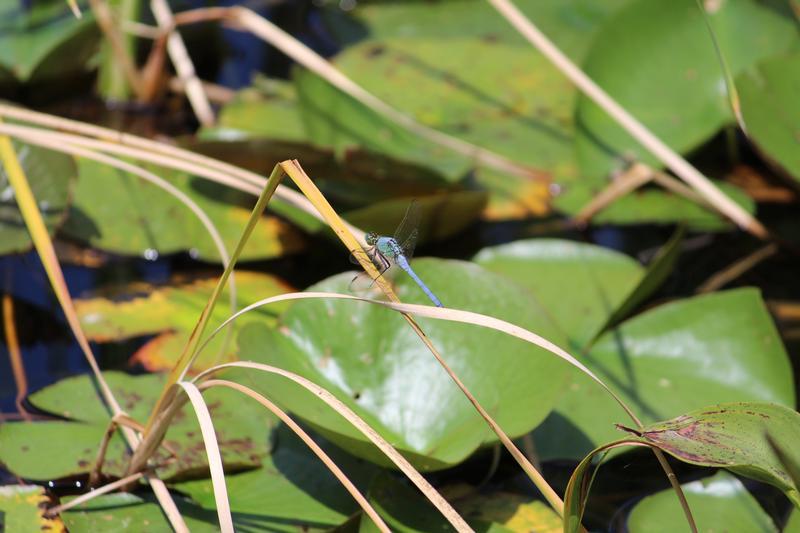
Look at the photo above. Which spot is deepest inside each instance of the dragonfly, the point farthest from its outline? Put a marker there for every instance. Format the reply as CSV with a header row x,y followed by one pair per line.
x,y
386,252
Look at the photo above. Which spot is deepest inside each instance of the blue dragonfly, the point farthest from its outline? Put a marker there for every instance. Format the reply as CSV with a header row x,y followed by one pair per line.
x,y
386,252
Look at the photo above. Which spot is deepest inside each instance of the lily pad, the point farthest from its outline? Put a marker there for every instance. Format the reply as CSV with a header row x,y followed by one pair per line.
x,y
43,41
439,83
599,280
570,23
733,436
22,509
126,512
657,59
118,313
718,503
373,362
506,98
51,176
292,491
677,357
55,449
770,110
121,213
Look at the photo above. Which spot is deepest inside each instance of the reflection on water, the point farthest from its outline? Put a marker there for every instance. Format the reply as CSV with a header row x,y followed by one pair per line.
x,y
49,351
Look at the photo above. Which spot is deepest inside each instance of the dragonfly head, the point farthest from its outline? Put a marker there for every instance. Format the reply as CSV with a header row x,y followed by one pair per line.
x,y
371,238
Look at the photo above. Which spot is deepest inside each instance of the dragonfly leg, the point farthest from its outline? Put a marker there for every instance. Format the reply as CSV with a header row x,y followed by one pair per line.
x,y
383,260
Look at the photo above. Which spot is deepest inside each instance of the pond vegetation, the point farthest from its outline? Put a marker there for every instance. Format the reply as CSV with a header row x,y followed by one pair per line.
x,y
207,325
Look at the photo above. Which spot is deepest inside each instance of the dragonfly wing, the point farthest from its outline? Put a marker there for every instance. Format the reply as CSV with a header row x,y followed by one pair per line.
x,y
409,244
407,232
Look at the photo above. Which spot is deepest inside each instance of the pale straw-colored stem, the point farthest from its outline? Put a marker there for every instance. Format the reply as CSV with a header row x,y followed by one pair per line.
x,y
162,154
183,63
393,455
646,138
330,464
630,180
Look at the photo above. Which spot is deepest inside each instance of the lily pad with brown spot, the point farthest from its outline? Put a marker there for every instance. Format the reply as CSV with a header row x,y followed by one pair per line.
x,y
22,509
59,448
733,436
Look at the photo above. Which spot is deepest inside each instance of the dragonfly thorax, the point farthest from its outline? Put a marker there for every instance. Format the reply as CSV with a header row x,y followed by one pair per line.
x,y
389,247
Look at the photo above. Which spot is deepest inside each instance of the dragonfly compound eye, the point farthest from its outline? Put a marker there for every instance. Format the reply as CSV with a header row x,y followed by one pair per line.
x,y
371,238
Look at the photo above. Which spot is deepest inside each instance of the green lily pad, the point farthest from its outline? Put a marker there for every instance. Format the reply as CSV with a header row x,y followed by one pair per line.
x,y
506,98
570,23
405,509
733,436
599,280
44,41
720,347
657,59
373,362
134,513
134,310
718,503
292,491
55,449
22,509
121,213
51,176
530,121
770,110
